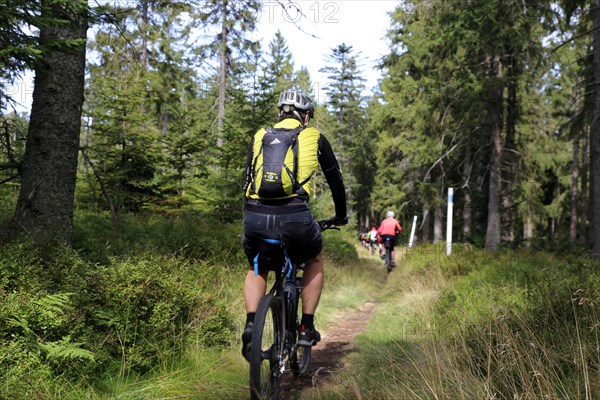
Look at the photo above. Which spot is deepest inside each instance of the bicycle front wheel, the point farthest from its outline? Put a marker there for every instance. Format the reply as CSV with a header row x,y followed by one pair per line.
x,y
266,350
300,360
300,357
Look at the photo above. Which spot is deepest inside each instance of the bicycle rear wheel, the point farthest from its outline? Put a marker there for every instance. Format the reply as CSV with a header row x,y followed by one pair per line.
x,y
266,350
388,259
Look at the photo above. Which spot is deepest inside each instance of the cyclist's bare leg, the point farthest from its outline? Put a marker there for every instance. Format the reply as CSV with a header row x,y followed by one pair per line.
x,y
254,289
312,285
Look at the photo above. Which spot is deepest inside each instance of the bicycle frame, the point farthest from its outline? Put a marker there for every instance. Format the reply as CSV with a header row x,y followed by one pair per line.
x,y
278,306
286,276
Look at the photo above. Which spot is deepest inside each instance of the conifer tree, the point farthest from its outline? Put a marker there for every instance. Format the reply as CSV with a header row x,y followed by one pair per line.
x,y
49,166
232,19
345,102
146,134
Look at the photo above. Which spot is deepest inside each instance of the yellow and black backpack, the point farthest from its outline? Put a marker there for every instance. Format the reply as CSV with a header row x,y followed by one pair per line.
x,y
275,164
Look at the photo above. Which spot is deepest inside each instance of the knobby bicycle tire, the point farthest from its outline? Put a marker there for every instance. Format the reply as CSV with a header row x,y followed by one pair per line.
x,y
388,259
300,360
300,357
266,350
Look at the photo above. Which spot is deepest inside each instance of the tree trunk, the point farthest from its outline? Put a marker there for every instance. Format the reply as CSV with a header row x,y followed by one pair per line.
x,y
595,141
144,52
575,170
574,193
426,226
584,193
222,75
467,201
438,223
510,152
49,167
492,237
144,56
528,228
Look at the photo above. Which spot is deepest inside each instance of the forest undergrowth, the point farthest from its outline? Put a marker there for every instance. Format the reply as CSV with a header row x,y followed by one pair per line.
x,y
148,313
158,314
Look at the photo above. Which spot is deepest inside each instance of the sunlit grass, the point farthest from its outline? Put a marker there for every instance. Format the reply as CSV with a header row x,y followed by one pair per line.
x,y
200,374
520,326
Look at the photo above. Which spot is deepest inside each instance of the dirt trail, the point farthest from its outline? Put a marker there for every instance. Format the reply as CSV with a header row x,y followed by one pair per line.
x,y
328,355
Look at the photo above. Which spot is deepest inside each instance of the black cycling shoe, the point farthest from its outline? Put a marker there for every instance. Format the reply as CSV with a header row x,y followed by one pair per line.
x,y
309,337
247,340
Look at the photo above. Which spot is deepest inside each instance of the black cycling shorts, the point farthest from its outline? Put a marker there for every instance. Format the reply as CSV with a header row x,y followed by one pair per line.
x,y
294,224
391,239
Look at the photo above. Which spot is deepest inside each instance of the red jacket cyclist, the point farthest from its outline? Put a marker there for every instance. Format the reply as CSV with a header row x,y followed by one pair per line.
x,y
387,231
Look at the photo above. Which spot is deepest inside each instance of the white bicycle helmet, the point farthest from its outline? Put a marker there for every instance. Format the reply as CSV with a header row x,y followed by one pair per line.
x,y
297,99
390,214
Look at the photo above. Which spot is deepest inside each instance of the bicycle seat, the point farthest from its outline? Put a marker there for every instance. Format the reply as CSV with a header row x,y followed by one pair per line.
x,y
271,254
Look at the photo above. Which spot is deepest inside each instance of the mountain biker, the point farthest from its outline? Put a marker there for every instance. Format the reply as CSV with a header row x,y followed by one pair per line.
x,y
289,218
372,238
363,239
388,230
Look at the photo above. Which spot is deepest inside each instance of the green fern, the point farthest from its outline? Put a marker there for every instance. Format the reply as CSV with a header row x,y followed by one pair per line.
x,y
66,350
20,322
56,303
106,317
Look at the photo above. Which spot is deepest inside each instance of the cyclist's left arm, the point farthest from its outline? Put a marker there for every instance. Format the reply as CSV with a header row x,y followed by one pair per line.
x,y
248,170
333,175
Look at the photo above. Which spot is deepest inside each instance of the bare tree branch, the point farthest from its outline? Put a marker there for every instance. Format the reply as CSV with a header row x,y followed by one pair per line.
x,y
574,38
441,158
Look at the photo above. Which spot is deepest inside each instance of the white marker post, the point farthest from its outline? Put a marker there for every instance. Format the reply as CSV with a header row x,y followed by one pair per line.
x,y
412,232
449,222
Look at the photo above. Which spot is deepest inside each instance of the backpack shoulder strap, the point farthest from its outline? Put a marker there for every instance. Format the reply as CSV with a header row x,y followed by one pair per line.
x,y
296,132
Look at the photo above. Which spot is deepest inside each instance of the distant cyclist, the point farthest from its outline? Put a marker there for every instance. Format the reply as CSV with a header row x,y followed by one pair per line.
x,y
276,205
372,239
387,231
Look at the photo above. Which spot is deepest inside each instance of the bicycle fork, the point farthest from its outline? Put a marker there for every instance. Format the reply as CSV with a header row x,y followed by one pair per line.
x,y
283,350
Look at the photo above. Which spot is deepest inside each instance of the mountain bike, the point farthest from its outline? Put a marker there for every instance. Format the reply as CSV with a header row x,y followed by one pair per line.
x,y
276,327
387,260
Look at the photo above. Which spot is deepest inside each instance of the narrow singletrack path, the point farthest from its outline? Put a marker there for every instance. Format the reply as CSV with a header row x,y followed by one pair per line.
x,y
328,355
337,341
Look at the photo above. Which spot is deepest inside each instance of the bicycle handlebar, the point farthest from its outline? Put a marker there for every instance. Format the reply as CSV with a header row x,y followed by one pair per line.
x,y
325,224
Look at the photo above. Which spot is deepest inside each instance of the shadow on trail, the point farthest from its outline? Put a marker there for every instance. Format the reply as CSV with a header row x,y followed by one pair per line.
x,y
328,356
